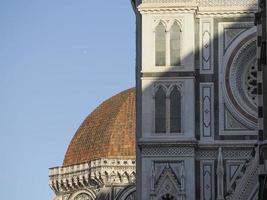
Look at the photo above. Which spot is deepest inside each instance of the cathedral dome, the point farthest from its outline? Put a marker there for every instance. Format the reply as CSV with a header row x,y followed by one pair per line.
x,y
108,132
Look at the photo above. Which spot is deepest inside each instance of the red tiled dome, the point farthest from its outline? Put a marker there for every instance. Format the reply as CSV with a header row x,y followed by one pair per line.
x,y
109,131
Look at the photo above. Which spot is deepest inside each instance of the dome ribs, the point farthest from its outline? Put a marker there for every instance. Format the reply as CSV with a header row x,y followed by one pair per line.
x,y
109,131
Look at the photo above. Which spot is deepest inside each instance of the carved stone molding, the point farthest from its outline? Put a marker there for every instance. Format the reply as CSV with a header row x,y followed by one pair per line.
x,y
228,3
168,151
92,175
168,87
202,7
228,154
206,3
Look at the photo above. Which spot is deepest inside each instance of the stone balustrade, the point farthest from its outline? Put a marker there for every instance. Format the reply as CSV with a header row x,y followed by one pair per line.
x,y
92,174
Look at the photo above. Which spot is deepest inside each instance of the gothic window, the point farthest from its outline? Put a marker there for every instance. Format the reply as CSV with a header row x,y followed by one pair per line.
x,y
175,111
175,44
160,111
168,117
160,45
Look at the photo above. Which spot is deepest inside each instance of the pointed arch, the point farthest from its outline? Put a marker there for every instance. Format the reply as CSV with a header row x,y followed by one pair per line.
x,y
106,176
160,85
160,110
119,177
125,177
83,194
168,184
175,38
132,177
112,177
160,45
175,110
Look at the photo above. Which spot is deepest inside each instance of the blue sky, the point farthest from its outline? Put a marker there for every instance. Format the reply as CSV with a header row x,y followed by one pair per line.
x,y
59,59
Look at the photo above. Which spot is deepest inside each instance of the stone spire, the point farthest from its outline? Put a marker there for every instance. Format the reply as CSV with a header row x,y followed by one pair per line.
x,y
182,177
220,175
152,178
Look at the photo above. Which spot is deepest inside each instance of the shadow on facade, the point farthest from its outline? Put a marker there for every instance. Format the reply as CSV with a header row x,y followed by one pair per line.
x,y
197,121
196,110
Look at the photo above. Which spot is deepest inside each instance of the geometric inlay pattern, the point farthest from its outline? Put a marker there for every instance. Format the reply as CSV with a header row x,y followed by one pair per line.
x,y
167,151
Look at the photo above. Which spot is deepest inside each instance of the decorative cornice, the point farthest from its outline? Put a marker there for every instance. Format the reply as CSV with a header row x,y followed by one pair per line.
x,y
92,175
204,3
168,141
227,143
226,13
229,153
144,9
240,152
168,74
64,179
227,3
171,150
200,7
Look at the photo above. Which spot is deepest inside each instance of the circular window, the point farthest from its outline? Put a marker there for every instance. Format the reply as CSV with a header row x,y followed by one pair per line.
x,y
82,197
240,81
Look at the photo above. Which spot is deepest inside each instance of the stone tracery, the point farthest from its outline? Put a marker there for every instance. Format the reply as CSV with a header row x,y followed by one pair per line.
x,y
239,81
82,197
251,82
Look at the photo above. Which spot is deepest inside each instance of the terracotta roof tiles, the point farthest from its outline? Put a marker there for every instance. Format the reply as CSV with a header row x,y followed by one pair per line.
x,y
109,131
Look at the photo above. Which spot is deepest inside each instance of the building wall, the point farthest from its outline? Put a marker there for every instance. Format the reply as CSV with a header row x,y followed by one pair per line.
x,y
217,38
212,156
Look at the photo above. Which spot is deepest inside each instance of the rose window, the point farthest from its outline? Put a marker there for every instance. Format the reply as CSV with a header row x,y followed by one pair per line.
x,y
240,82
251,83
82,197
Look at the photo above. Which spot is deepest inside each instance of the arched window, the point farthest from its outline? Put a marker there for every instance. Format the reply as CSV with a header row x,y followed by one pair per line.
x,y
160,111
175,44
175,111
160,45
